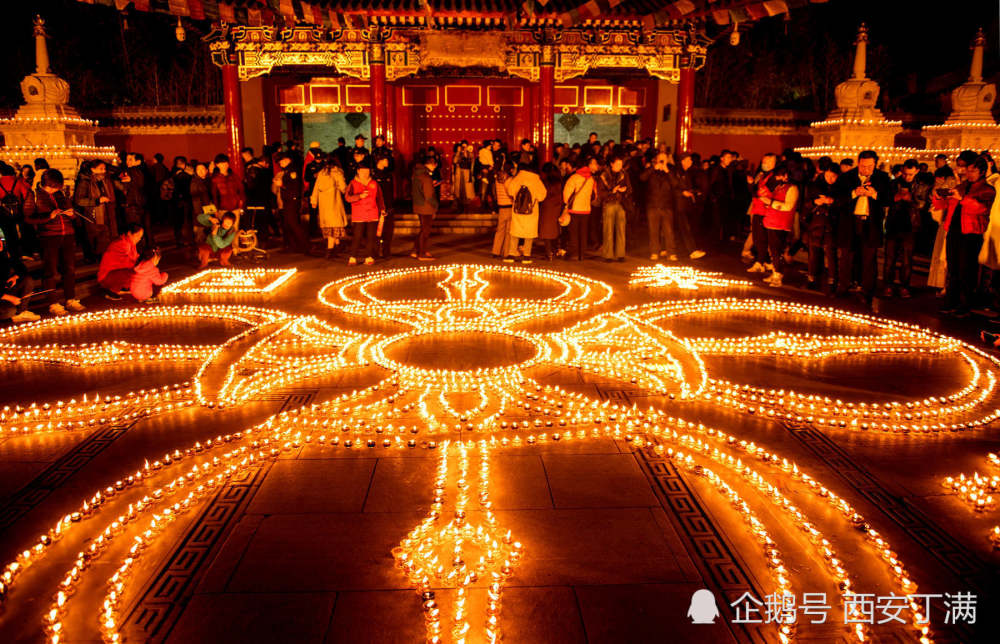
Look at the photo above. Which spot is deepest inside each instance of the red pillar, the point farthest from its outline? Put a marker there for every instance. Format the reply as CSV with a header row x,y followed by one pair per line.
x,y
376,79
685,110
403,126
234,116
546,98
391,92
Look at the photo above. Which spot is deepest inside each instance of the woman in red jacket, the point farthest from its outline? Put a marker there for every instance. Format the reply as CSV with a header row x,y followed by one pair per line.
x,y
117,266
366,206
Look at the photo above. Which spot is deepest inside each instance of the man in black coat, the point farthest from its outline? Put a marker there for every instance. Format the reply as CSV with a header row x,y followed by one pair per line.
x,y
132,183
384,177
720,199
257,184
289,189
861,197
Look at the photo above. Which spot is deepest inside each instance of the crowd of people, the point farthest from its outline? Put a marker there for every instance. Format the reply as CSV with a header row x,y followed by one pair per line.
x,y
824,224
846,215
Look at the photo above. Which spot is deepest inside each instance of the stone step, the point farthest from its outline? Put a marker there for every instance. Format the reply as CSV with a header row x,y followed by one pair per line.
x,y
444,230
440,215
449,223
473,220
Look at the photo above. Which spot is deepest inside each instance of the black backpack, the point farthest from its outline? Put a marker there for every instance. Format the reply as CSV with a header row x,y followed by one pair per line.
x,y
523,203
10,205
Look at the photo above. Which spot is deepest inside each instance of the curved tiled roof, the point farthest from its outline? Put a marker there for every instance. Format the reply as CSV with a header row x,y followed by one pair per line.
x,y
568,12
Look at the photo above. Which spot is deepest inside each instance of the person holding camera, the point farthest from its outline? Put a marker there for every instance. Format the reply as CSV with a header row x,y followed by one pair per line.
x,y
862,196
54,219
966,224
909,197
819,223
219,242
666,229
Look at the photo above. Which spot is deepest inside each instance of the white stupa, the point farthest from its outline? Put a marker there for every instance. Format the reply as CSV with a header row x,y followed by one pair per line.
x,y
971,125
47,125
856,124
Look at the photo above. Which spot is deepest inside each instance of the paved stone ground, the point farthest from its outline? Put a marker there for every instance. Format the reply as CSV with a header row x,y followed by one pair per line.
x,y
617,539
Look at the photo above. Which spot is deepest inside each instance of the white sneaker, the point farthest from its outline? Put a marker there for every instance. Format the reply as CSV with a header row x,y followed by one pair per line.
x,y
774,279
769,267
57,309
697,254
654,257
673,258
74,305
25,316
756,268
369,261
352,261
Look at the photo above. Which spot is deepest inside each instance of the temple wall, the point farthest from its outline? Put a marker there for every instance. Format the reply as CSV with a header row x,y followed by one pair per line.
x,y
203,147
194,132
752,133
200,132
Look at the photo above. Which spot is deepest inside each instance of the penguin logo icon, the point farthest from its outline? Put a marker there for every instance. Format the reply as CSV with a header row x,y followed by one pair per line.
x,y
703,609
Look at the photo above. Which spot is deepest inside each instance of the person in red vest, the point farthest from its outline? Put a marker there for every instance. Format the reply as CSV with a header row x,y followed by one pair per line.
x,y
367,205
760,188
778,218
966,225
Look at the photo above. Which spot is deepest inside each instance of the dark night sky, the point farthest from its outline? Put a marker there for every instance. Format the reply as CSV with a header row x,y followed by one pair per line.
x,y
923,41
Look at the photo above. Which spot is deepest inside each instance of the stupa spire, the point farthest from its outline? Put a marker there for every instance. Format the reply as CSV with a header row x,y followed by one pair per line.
x,y
41,47
978,44
861,53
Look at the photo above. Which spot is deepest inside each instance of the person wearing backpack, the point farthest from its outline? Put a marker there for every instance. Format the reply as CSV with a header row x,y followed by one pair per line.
x,y
528,191
17,201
